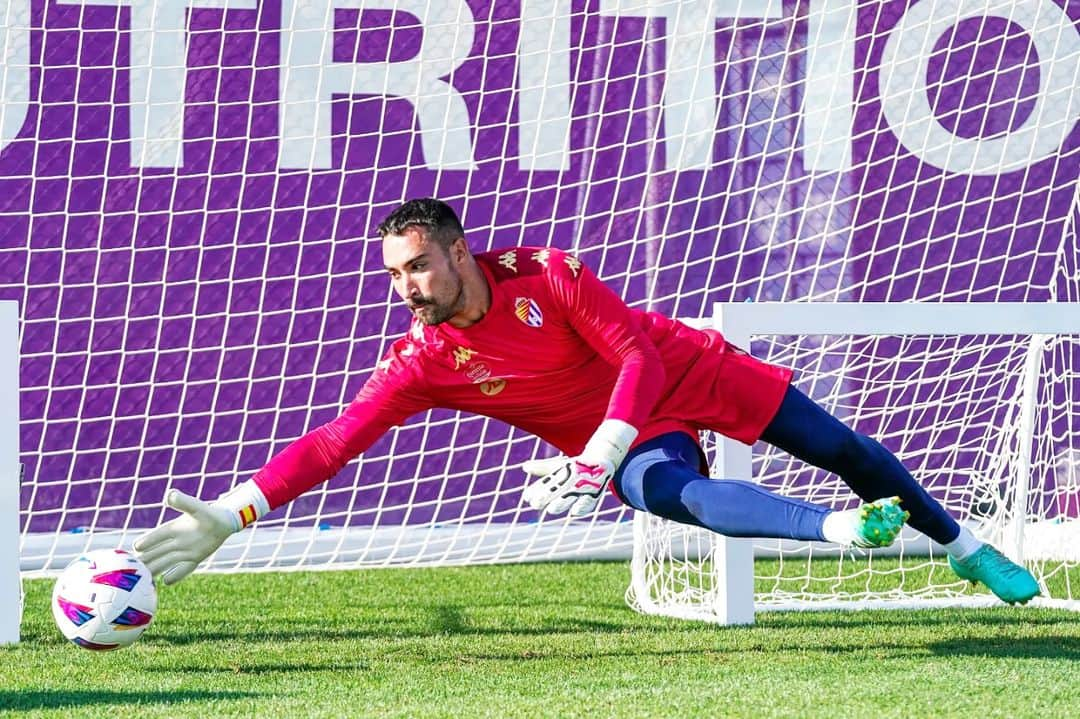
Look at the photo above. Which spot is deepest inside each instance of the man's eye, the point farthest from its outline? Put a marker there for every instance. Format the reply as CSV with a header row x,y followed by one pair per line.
x,y
419,266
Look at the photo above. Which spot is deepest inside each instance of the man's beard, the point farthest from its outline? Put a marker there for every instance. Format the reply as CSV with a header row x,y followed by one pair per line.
x,y
431,312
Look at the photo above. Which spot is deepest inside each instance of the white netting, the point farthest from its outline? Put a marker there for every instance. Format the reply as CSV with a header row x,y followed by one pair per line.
x,y
953,410
188,197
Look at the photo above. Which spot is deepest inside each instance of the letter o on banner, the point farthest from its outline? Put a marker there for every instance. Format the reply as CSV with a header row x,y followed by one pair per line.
x,y
906,62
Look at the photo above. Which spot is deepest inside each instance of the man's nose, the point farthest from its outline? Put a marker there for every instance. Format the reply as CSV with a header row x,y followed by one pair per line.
x,y
410,290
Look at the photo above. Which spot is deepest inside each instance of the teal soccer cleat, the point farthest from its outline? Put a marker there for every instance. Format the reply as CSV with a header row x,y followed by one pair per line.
x,y
1005,578
879,523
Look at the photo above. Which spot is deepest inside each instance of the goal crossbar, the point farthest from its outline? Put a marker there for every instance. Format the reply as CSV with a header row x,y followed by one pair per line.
x,y
743,319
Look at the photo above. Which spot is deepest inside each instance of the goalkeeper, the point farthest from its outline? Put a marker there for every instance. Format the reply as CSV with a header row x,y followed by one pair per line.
x,y
531,337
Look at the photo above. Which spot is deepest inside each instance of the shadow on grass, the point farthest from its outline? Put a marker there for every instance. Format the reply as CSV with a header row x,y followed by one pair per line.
x,y
28,700
316,632
1067,648
988,617
950,634
1054,647
243,668
440,620
720,643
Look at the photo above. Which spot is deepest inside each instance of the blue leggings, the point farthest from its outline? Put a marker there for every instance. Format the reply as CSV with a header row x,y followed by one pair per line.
x,y
663,476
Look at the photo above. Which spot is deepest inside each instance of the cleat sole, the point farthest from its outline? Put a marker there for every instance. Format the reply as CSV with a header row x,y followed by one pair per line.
x,y
881,521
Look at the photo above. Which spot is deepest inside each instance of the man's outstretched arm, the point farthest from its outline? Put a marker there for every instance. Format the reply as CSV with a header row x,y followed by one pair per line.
x,y
173,550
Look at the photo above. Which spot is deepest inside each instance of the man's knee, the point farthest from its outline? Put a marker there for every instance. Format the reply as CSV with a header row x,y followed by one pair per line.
x,y
630,481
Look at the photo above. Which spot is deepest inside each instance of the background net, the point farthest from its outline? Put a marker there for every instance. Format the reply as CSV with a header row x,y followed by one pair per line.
x,y
188,195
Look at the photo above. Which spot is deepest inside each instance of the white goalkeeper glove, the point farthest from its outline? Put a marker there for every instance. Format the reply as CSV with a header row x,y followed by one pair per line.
x,y
173,550
575,484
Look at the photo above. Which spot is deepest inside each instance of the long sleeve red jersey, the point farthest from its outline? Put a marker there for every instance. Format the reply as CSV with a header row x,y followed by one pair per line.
x,y
557,353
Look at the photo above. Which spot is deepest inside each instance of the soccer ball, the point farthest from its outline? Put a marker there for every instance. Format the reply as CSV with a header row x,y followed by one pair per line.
x,y
104,599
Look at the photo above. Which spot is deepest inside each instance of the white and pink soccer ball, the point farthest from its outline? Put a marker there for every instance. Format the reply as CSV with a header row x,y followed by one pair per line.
x,y
104,599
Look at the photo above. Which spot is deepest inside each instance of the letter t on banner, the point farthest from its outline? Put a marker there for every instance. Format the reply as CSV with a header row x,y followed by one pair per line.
x,y
689,73
159,74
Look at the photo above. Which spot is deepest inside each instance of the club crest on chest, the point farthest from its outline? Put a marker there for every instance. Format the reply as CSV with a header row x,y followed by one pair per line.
x,y
526,310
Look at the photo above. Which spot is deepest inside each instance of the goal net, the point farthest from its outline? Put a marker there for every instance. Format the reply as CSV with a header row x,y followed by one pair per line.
x,y
976,399
188,197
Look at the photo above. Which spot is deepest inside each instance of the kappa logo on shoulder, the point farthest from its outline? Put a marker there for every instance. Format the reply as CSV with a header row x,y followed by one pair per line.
x,y
526,310
573,263
509,260
462,355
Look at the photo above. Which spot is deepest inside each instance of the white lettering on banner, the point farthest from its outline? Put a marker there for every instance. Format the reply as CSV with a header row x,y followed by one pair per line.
x,y
544,85
159,74
310,78
15,67
689,99
828,95
906,61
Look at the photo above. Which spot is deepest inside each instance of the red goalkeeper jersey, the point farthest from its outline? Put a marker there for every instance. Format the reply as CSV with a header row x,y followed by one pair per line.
x,y
557,353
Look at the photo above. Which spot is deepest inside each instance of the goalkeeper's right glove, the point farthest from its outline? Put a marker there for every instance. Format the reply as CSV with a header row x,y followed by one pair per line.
x,y
173,550
575,484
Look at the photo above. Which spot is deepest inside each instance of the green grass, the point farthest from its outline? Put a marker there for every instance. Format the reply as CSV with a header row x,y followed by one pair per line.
x,y
542,640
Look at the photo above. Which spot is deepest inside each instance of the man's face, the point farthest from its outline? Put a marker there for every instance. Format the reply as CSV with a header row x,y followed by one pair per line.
x,y
425,275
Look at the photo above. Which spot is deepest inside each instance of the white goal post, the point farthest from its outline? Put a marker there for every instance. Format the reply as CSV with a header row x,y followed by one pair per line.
x,y
10,586
699,575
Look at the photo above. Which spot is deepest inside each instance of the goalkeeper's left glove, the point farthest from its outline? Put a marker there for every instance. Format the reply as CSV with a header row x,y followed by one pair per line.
x,y
576,483
173,550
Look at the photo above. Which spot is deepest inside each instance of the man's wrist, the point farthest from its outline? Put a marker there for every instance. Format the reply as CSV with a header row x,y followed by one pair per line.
x,y
610,443
245,503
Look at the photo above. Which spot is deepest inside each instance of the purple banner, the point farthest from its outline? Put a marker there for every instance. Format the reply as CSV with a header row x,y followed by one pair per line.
x,y
188,202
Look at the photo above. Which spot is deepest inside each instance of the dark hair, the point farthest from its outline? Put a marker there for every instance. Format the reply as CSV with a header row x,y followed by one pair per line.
x,y
435,216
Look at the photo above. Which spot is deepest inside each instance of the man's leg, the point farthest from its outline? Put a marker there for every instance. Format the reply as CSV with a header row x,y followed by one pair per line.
x,y
661,476
808,432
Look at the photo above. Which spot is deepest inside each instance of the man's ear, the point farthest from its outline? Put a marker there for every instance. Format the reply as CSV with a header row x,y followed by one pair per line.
x,y
459,251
